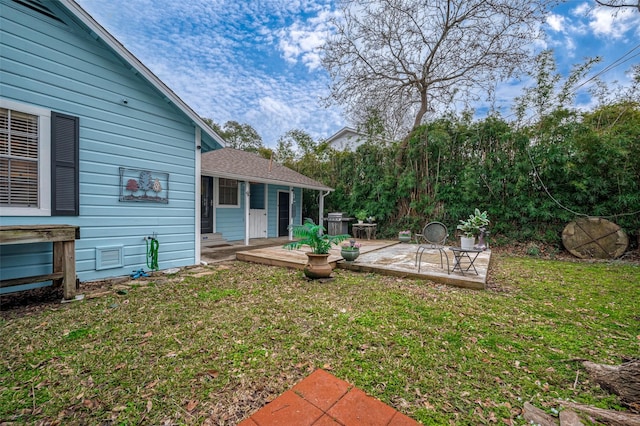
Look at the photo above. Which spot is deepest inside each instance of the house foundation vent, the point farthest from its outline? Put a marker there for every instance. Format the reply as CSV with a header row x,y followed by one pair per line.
x,y
109,257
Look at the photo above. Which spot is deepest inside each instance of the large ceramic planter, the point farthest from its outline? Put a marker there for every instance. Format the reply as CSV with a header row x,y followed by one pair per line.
x,y
350,255
404,238
317,266
467,243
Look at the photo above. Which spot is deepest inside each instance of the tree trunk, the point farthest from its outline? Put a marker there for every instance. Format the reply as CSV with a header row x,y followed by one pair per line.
x,y
424,107
610,417
535,415
622,380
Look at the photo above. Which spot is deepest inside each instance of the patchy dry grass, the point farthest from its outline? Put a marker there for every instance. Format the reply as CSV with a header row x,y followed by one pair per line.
x,y
213,348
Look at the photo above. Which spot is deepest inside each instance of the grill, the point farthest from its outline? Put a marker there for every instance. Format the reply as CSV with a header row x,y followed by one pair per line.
x,y
337,224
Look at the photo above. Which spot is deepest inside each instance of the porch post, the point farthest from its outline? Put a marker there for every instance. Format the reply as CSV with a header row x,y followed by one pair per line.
x,y
292,196
321,207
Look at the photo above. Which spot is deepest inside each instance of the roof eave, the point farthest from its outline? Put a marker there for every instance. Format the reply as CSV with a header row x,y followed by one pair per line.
x,y
263,180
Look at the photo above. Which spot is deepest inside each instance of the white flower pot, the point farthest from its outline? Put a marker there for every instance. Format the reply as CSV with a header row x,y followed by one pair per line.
x,y
467,243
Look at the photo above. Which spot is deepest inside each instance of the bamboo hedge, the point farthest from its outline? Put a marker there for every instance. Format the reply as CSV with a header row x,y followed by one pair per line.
x,y
532,180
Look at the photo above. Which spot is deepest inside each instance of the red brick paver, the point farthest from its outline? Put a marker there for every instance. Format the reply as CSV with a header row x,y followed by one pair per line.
x,y
322,399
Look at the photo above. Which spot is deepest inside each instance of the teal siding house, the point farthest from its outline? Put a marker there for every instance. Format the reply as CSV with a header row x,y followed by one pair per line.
x,y
90,137
246,196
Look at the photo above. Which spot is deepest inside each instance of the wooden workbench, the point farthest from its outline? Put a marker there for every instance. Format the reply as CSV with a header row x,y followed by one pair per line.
x,y
64,253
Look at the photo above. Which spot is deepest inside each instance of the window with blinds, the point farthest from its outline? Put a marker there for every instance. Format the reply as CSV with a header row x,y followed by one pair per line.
x,y
19,138
228,192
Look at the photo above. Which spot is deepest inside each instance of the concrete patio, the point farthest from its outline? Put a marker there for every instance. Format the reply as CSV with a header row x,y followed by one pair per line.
x,y
383,257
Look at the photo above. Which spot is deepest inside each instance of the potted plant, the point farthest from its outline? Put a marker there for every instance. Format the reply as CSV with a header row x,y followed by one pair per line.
x,y
471,228
361,215
350,251
312,235
404,236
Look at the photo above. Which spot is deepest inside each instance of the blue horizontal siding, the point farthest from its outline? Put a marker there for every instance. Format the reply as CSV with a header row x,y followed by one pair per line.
x,y
47,64
13,265
272,209
230,221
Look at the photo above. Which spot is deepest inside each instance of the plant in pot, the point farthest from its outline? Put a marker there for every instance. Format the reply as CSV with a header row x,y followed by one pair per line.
x,y
472,228
312,235
361,215
350,251
404,236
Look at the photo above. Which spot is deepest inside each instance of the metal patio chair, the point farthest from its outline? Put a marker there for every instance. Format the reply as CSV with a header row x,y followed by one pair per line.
x,y
433,237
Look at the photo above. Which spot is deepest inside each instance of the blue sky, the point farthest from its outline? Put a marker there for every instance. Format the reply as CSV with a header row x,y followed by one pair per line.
x,y
257,62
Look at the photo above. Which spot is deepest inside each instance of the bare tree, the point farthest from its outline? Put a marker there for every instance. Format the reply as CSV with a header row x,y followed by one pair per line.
x,y
619,4
405,58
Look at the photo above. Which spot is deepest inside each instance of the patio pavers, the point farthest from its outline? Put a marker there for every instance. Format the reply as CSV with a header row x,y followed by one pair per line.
x,y
322,399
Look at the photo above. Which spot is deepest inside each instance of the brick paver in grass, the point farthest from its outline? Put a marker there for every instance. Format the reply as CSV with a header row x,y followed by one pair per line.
x,y
322,399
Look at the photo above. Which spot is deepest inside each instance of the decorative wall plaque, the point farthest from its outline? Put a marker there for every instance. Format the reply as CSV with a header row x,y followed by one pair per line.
x,y
144,185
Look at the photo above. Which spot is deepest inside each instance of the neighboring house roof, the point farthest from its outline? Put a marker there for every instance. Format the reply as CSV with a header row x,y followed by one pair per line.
x,y
345,131
346,138
100,32
241,165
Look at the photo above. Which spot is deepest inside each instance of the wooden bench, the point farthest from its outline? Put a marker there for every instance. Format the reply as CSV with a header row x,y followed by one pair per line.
x,y
64,253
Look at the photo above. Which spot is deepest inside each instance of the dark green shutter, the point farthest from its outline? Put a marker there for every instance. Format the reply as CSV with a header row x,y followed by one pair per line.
x,y
65,149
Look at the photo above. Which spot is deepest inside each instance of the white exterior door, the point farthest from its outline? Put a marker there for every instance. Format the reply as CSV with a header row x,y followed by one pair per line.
x,y
257,223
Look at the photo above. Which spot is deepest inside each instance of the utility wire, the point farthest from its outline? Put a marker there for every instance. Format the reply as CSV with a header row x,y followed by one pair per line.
x,y
608,68
537,175
611,66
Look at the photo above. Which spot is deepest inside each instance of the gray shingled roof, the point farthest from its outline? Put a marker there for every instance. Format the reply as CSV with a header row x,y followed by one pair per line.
x,y
241,165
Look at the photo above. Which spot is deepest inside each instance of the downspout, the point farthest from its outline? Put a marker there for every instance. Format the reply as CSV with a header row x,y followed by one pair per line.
x,y
247,204
197,199
321,207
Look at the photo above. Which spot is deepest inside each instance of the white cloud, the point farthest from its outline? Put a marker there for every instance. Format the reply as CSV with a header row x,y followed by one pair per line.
x,y
613,23
275,107
224,58
301,44
556,22
581,10
303,39
258,62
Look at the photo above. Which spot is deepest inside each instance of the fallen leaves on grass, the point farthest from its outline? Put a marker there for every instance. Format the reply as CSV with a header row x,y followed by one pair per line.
x,y
438,354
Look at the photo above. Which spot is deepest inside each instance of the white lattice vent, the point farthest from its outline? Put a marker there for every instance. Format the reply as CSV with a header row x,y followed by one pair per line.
x,y
109,257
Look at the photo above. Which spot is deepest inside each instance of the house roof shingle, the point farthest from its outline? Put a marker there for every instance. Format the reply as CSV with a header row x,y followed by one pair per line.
x,y
241,165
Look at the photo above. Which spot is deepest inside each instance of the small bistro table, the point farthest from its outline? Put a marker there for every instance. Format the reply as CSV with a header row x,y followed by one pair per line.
x,y
464,257
64,255
368,229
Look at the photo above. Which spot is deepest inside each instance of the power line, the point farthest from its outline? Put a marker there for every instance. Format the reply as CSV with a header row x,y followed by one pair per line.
x,y
608,68
611,66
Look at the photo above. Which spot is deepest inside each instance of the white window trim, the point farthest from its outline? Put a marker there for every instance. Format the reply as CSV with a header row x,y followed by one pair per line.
x,y
217,195
44,161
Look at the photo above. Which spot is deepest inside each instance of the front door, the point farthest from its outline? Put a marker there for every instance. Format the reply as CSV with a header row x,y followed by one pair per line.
x,y
283,214
206,208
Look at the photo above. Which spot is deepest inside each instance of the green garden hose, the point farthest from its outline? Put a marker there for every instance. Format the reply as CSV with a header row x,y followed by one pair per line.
x,y
152,253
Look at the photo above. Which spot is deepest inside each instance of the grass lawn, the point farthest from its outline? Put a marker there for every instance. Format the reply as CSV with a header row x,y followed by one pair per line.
x,y
213,348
